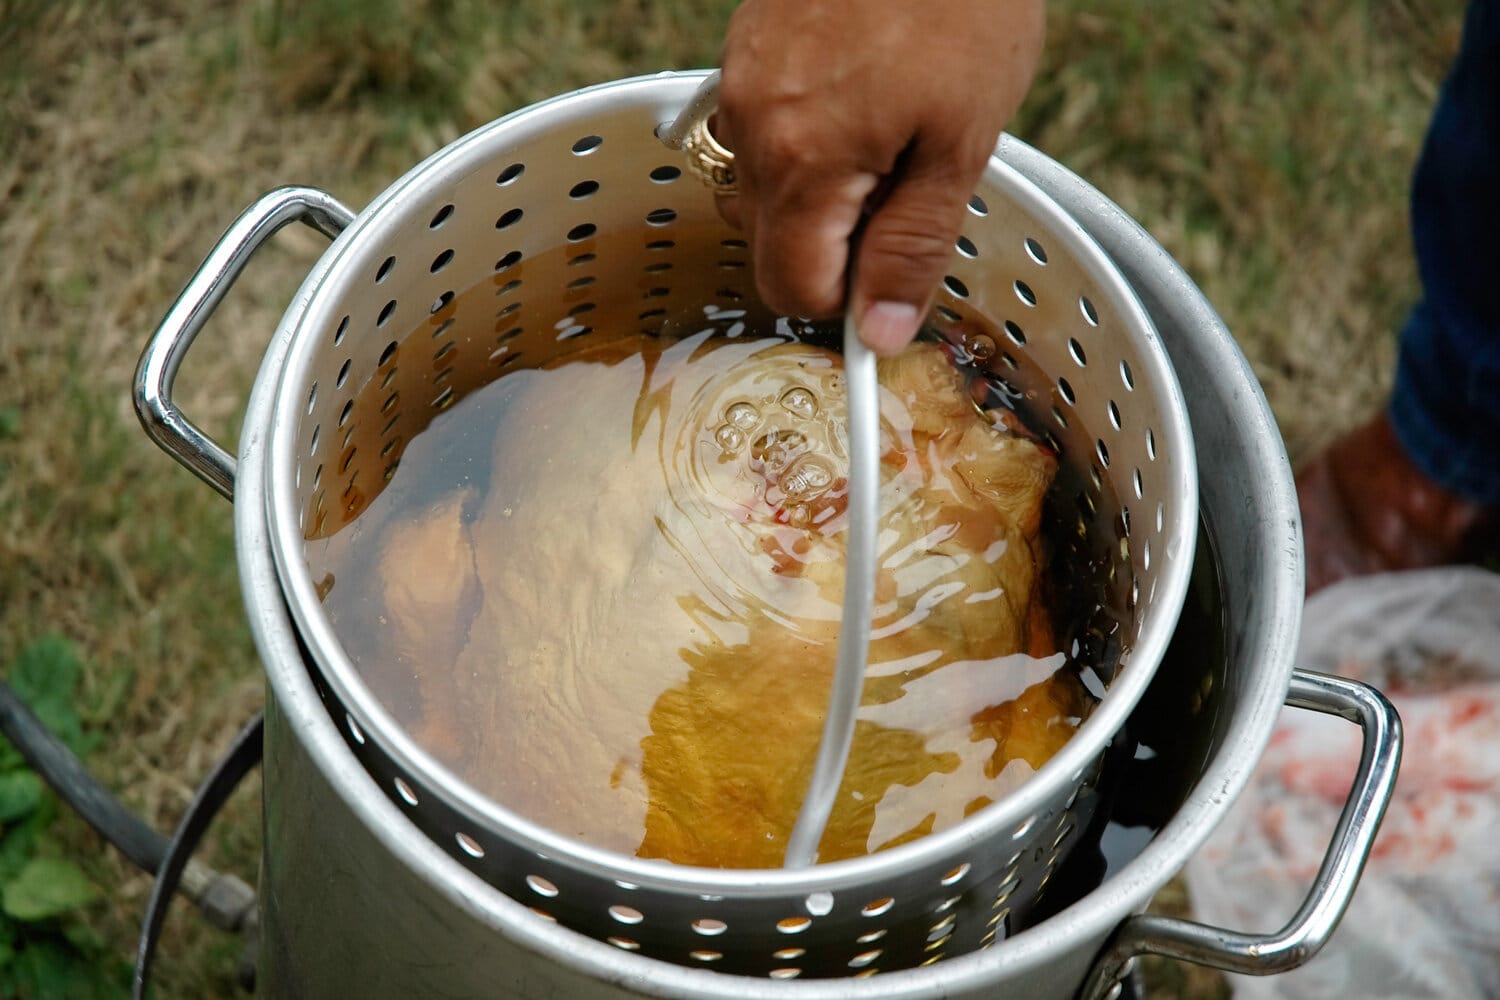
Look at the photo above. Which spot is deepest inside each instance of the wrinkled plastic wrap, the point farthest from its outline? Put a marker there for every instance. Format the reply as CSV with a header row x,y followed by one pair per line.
x,y
1425,921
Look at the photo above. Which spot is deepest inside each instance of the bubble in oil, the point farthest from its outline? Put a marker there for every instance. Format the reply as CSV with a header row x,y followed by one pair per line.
x,y
730,438
774,450
806,478
980,346
800,402
742,415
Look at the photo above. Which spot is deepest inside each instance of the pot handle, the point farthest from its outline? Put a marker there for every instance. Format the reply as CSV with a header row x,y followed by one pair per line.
x,y
1332,888
163,421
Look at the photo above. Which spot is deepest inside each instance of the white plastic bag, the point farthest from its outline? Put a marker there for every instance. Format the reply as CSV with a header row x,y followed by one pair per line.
x,y
1425,921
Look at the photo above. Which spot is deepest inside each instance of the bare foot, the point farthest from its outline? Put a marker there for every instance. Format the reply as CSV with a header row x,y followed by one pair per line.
x,y
1366,508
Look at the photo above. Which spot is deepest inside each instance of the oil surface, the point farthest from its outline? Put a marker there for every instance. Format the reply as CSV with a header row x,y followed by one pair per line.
x,y
605,591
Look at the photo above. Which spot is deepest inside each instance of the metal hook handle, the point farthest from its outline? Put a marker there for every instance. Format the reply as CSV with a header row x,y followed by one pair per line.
x,y
1332,888
167,425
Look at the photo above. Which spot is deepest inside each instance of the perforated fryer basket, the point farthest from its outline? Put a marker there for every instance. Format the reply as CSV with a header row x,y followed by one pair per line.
x,y
570,217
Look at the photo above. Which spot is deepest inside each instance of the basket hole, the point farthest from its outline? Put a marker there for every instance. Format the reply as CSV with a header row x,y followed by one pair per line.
x,y
345,412
440,302
729,294
312,397
785,973
1076,350
338,334
788,954
1127,376
510,174
442,216
509,286
658,292
819,904
709,927
948,314
469,845
1024,293
581,308
865,958
583,189
385,313
544,914
942,927
871,937
793,925
731,265
734,244
509,218
387,355
445,398
582,258
1025,828
355,732
659,267
966,247
624,943
1066,388
877,907
541,886
507,262
1146,554
343,375
576,330
404,790
1114,414
652,314
505,311
1090,314
705,956
441,261
1150,444
1015,333
1103,452
1034,251
956,286
955,876
1161,516
661,244
582,282
587,145
312,446
626,914
660,216
581,232
978,207
665,174
317,476
384,271
1057,415
1140,485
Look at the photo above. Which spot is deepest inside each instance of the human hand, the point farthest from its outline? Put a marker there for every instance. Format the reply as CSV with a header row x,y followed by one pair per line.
x,y
835,108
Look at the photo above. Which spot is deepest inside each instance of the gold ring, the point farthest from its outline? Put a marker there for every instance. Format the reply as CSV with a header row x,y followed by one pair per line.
x,y
708,160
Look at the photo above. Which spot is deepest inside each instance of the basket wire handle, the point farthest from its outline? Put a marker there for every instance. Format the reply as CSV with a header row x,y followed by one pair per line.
x,y
859,600
714,165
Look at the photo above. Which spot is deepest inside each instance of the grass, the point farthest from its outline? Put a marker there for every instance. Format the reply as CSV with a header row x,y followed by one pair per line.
x,y
1268,146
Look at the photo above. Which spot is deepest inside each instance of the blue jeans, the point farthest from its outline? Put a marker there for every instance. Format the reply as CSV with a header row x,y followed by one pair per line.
x,y
1446,402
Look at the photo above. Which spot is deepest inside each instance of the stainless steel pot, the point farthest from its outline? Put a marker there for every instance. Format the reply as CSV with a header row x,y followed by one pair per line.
x,y
358,900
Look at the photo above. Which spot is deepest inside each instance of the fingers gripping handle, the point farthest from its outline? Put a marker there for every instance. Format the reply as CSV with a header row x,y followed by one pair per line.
x,y
1332,888
167,425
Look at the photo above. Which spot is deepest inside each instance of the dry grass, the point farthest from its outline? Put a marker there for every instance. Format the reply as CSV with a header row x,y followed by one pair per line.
x,y
1267,145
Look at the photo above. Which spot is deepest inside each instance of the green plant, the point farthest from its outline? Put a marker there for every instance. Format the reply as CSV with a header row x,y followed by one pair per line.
x,y
47,946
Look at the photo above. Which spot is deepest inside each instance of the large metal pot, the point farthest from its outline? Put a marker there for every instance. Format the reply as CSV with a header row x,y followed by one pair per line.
x,y
357,900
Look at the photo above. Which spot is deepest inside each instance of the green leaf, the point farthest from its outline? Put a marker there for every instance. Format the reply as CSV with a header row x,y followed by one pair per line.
x,y
46,887
20,794
10,422
44,676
